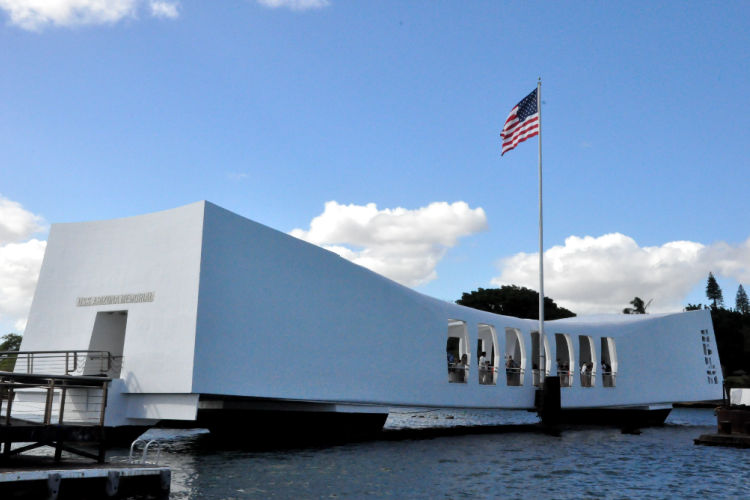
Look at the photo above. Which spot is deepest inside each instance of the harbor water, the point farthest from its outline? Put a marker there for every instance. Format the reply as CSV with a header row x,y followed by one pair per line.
x,y
660,462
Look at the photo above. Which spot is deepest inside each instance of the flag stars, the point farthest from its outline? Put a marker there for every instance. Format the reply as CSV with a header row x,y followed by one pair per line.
x,y
522,123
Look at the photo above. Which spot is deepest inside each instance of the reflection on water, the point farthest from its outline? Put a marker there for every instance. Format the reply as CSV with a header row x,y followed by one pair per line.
x,y
411,419
589,462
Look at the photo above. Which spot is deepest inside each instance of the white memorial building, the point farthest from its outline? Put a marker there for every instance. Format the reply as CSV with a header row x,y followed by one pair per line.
x,y
215,319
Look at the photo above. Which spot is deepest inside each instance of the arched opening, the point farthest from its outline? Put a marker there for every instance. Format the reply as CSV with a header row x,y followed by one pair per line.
x,y
515,356
565,359
487,355
537,374
457,351
609,362
588,360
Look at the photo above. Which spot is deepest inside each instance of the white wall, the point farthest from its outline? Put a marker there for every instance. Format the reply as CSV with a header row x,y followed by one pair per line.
x,y
241,309
281,318
660,359
157,253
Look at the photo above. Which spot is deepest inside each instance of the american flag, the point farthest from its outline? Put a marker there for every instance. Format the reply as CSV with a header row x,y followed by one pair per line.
x,y
522,123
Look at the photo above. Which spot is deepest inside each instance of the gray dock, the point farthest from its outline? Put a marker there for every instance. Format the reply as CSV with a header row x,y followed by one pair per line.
x,y
65,413
733,428
35,479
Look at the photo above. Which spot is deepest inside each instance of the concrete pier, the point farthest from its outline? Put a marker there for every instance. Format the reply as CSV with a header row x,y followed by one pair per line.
x,y
733,428
35,479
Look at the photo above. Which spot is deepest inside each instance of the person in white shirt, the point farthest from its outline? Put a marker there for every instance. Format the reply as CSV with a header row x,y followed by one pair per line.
x,y
482,368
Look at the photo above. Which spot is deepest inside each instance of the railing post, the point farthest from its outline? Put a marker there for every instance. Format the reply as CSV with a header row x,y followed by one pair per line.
x,y
105,386
11,397
48,404
62,404
724,392
67,358
8,442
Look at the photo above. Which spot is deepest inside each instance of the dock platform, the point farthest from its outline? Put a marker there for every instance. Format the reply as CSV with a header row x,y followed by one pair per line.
x,y
731,440
35,477
64,411
733,421
53,411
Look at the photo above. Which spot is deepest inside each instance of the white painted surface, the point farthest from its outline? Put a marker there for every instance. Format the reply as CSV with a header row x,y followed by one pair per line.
x,y
158,253
162,406
240,309
739,397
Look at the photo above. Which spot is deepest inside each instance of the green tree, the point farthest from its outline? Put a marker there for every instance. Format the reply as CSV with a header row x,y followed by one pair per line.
x,y
741,301
639,307
732,331
713,291
693,307
512,300
10,342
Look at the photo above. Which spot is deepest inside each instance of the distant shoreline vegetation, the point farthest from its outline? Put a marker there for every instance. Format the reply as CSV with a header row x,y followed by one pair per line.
x,y
512,300
732,331
9,342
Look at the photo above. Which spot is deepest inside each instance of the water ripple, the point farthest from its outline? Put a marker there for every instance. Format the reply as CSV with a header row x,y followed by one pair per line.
x,y
579,463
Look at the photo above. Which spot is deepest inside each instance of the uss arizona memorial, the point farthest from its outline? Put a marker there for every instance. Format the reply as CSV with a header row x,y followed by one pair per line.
x,y
218,320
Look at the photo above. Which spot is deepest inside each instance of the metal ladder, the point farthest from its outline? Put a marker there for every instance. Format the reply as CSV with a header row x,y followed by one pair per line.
x,y
131,458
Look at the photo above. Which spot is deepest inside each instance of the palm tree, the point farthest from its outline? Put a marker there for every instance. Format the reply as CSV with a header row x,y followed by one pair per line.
x,y
639,307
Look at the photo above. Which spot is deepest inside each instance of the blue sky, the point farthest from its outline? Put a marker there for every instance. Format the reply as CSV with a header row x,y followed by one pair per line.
x,y
273,108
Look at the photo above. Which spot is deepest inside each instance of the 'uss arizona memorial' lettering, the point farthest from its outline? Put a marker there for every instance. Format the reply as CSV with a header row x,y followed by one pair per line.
x,y
126,298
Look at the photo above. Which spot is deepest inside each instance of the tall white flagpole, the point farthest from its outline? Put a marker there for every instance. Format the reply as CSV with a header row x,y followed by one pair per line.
x,y
542,360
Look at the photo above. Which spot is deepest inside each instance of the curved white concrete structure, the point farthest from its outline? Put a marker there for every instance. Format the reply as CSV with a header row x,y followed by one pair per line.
x,y
211,311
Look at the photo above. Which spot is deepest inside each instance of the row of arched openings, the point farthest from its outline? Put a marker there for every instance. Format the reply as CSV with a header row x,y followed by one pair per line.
x,y
571,365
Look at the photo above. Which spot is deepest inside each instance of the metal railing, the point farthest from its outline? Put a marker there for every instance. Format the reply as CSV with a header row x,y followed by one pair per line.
x,y
488,375
566,377
609,379
52,400
458,373
588,379
79,362
514,375
538,376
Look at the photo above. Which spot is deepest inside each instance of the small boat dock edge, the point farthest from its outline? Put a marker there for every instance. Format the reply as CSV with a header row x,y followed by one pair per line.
x,y
733,421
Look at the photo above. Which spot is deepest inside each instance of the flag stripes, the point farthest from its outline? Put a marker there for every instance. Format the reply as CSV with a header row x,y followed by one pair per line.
x,y
522,123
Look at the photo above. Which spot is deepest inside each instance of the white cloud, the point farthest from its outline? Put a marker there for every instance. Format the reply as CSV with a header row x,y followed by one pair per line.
x,y
19,271
164,9
404,245
295,4
237,176
603,274
20,261
35,15
16,223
